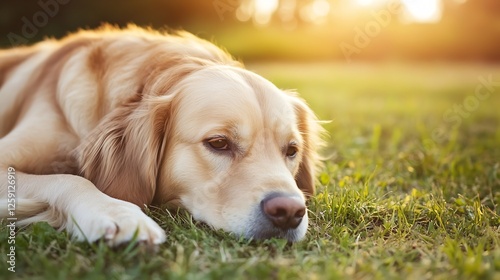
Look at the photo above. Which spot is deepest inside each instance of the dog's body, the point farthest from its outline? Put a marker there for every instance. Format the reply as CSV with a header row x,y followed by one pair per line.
x,y
104,121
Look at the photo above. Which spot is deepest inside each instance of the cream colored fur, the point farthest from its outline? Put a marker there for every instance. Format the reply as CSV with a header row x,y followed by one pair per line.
x,y
102,123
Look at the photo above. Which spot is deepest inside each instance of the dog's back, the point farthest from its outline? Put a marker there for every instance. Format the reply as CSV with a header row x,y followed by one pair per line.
x,y
28,71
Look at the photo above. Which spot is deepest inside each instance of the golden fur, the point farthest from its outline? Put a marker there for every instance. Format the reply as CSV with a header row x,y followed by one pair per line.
x,y
131,112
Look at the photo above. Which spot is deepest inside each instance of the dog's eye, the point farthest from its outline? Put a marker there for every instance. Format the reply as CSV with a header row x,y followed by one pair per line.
x,y
219,144
291,151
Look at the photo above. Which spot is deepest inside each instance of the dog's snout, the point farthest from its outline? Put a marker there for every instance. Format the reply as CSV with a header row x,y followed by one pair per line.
x,y
285,212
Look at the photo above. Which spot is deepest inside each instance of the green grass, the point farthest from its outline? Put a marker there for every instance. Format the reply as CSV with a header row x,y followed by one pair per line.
x,y
392,203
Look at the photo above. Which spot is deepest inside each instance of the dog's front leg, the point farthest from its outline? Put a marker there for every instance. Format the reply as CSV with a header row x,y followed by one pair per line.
x,y
75,204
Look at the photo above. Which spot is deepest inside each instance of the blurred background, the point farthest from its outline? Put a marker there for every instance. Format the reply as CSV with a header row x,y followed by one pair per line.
x,y
450,30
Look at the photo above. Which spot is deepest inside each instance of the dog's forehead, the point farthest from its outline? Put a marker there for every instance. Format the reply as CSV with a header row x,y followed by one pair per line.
x,y
233,96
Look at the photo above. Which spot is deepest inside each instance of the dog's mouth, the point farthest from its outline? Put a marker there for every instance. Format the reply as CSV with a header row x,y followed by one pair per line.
x,y
263,228
281,215
278,215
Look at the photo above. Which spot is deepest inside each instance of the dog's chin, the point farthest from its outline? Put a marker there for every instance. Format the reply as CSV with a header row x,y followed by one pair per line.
x,y
259,227
262,228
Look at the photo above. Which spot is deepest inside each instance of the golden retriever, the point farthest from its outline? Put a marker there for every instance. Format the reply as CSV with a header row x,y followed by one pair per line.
x,y
97,125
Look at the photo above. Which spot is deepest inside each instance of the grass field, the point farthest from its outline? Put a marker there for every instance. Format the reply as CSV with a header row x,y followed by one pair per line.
x,y
410,190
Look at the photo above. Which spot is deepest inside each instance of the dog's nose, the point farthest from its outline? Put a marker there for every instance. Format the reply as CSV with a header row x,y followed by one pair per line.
x,y
285,212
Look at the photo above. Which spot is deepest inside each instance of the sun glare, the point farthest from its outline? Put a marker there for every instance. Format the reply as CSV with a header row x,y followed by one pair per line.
x,y
261,12
365,2
423,10
316,11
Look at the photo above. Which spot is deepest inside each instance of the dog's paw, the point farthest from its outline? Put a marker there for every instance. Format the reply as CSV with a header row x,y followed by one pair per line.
x,y
116,222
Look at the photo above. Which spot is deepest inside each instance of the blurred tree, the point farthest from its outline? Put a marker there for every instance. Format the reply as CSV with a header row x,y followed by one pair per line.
x,y
469,30
57,17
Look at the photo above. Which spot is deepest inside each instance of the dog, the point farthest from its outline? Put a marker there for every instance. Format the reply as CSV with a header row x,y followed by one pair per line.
x,y
98,125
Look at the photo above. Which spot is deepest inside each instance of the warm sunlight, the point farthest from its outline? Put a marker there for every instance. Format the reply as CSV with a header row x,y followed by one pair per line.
x,y
316,11
423,10
365,2
262,12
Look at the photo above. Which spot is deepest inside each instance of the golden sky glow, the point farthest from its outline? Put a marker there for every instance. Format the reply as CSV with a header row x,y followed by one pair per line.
x,y
423,10
317,11
365,2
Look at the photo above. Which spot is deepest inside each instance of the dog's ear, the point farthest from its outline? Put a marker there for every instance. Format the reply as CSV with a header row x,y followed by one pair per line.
x,y
311,131
122,155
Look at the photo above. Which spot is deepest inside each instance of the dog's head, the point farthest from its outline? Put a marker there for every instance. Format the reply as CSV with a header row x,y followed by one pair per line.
x,y
239,154
224,143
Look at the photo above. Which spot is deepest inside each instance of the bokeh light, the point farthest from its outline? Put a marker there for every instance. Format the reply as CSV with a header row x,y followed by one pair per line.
x,y
318,11
261,11
365,2
423,10
342,30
